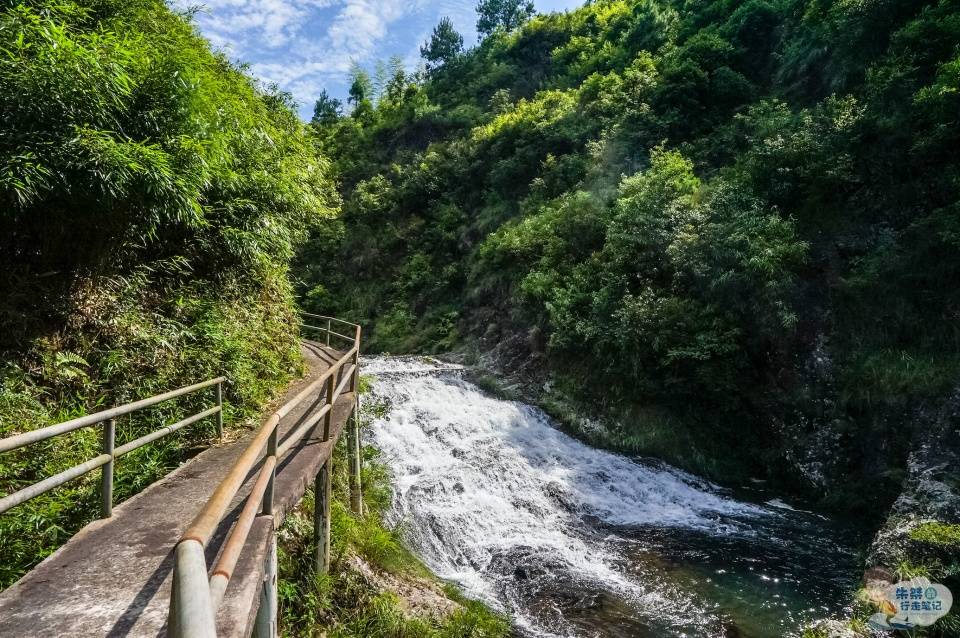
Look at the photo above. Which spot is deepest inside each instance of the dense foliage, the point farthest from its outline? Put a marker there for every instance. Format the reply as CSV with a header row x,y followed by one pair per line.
x,y
732,226
151,197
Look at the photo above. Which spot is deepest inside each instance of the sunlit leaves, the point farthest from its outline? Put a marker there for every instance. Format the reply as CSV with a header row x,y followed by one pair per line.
x,y
118,118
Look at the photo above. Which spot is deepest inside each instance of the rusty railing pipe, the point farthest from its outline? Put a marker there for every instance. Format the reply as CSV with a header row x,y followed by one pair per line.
x,y
294,437
223,570
206,521
191,614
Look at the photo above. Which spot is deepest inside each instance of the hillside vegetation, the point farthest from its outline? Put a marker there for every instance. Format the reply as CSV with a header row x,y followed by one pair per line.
x,y
730,228
151,197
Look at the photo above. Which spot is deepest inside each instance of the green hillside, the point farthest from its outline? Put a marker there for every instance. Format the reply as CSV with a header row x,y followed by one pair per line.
x,y
729,227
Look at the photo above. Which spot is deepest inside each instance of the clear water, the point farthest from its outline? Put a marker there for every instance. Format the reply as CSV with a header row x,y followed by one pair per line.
x,y
574,541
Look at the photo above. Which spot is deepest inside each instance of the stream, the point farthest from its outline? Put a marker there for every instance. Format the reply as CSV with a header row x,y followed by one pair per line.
x,y
574,541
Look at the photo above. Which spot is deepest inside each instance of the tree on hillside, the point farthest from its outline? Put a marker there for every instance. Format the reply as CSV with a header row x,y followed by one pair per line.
x,y
361,88
361,93
383,74
326,110
445,44
502,14
396,85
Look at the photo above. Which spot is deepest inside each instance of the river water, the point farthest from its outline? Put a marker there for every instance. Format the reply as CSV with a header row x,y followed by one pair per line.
x,y
574,541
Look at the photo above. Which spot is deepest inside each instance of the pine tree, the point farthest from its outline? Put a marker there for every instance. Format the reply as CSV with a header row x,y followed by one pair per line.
x,y
326,110
445,45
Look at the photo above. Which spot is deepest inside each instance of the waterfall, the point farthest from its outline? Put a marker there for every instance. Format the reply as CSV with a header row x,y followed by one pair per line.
x,y
491,495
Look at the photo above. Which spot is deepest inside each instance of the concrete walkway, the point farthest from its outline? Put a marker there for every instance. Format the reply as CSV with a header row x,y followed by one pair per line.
x,y
113,578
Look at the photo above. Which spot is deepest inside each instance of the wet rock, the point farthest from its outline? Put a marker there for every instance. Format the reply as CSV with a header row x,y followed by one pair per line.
x,y
930,495
558,494
525,563
809,428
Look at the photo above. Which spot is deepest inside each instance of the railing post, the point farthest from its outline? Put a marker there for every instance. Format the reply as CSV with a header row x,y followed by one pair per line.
x,y
356,360
329,328
331,381
106,477
356,496
219,387
268,493
321,517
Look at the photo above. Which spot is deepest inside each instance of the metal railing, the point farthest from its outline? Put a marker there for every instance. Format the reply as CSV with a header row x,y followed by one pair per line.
x,y
109,453
329,329
196,596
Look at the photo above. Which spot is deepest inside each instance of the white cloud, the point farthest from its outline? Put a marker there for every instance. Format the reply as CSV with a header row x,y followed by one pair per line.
x,y
301,45
360,25
305,46
268,23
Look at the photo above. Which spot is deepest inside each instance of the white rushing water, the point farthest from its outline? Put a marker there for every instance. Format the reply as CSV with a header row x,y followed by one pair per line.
x,y
493,497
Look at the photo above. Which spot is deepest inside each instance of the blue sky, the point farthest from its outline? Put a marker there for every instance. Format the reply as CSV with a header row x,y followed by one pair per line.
x,y
308,45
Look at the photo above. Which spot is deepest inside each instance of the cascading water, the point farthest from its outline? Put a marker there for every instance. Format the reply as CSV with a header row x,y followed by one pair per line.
x,y
574,541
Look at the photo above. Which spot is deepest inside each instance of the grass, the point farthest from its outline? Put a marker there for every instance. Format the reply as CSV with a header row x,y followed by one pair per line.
x,y
936,533
882,376
342,603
